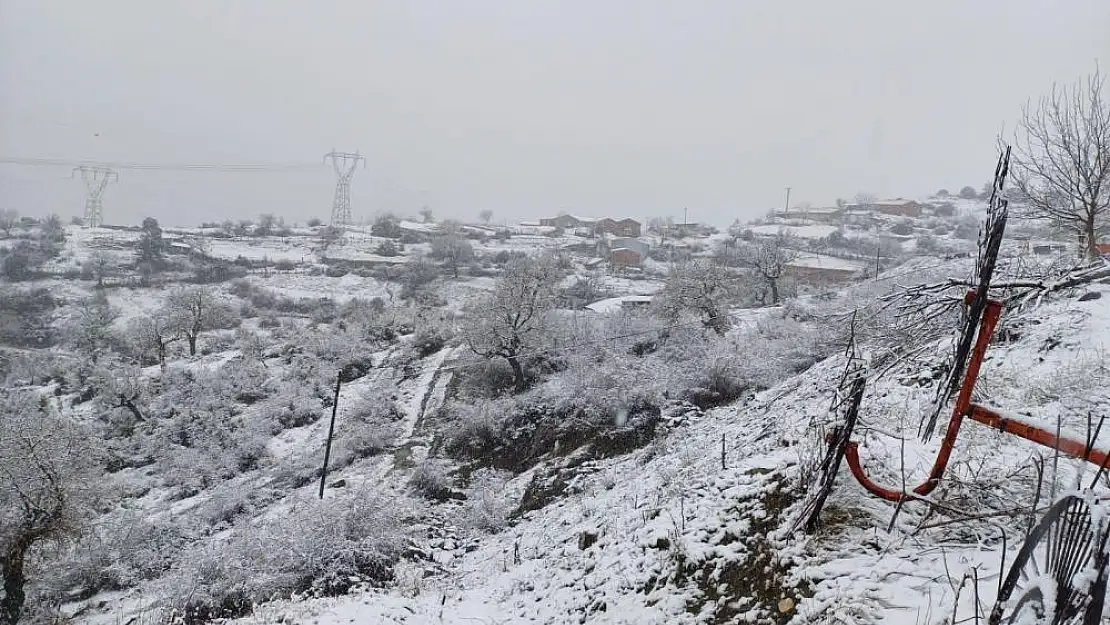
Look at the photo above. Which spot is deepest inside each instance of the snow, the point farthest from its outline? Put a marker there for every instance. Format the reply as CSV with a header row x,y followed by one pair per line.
x,y
672,501
802,232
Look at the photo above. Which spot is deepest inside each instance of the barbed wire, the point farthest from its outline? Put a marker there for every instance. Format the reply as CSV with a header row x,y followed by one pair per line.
x,y
217,167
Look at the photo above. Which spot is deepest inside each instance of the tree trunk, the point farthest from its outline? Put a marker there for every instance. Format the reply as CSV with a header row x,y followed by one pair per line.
x,y
774,291
519,383
162,357
1092,240
192,344
11,604
130,405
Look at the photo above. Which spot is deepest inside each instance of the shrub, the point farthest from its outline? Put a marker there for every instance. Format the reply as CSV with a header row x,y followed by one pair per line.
x,y
428,340
285,265
430,481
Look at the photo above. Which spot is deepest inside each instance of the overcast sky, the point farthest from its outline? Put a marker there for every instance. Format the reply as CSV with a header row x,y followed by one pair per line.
x,y
523,107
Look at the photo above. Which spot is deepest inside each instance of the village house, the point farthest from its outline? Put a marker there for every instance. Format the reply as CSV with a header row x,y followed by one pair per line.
x,y
821,269
624,257
607,244
897,207
830,215
620,227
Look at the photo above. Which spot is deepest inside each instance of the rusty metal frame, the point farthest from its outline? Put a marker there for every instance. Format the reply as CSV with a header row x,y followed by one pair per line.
x,y
981,414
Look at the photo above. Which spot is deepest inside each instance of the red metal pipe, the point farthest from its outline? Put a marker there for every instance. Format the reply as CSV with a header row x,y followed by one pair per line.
x,y
1067,446
963,402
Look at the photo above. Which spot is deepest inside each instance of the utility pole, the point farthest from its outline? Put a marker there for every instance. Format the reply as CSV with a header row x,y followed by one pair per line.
x,y
96,178
344,164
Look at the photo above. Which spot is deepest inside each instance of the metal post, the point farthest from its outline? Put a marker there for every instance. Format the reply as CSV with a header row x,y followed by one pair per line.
x,y
331,432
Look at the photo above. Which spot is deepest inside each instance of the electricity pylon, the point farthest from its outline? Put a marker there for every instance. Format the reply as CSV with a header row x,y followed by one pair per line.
x,y
96,178
344,164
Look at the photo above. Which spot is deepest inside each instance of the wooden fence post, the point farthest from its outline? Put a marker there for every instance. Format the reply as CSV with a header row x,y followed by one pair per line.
x,y
331,432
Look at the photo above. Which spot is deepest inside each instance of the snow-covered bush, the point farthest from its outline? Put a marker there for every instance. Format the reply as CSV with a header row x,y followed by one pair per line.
x,y
369,427
317,547
430,480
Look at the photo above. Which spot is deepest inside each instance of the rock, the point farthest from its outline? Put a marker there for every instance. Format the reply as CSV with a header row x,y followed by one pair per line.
x,y
340,483
586,539
1090,295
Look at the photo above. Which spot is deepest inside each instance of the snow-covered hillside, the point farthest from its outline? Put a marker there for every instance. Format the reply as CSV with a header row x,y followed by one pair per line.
x,y
648,468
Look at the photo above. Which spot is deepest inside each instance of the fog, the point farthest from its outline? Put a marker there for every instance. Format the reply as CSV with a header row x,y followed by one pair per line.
x,y
600,107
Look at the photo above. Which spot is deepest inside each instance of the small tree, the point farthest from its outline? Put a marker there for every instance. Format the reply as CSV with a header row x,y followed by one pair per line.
x,y
1061,160
768,258
387,248
91,331
486,215
266,224
968,193
426,214
195,310
8,219
45,473
453,250
154,334
386,225
99,266
152,248
315,222
513,317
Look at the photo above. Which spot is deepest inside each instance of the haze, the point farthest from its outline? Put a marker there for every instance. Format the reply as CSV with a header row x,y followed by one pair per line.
x,y
602,107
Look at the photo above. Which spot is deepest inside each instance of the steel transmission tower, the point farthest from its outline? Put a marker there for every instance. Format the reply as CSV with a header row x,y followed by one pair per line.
x,y
344,164
96,178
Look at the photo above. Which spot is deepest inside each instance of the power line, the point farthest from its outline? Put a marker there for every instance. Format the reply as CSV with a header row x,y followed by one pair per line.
x,y
221,167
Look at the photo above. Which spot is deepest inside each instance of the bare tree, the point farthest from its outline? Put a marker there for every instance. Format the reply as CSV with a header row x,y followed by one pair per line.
x,y
8,220
768,258
486,215
513,317
1061,159
426,214
699,286
99,265
865,198
120,385
195,310
154,334
44,476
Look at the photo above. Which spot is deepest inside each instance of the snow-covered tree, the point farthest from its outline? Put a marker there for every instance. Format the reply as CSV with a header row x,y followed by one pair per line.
x,y
8,220
153,334
1061,160
511,319
453,249
91,329
768,258
44,476
197,309
702,287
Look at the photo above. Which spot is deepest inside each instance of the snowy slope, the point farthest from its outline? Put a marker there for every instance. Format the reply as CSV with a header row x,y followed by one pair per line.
x,y
669,535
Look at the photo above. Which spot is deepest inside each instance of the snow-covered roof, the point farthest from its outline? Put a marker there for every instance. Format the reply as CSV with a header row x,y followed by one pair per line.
x,y
822,261
416,226
614,304
802,232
